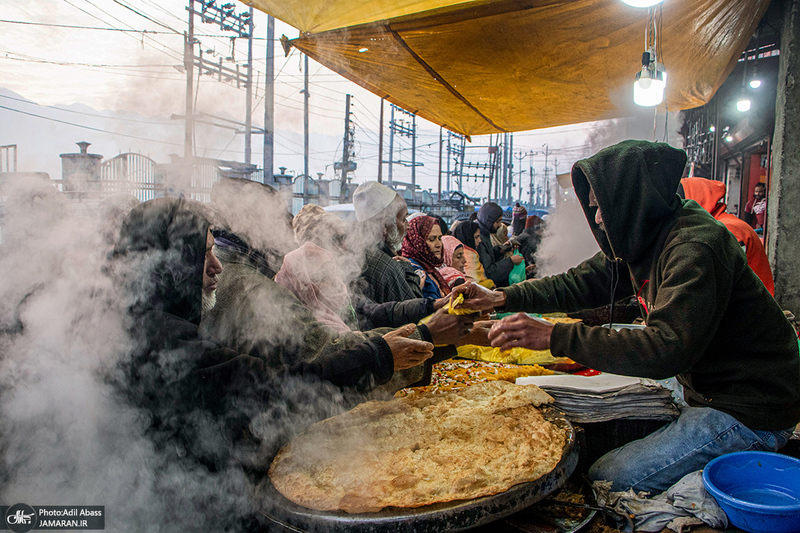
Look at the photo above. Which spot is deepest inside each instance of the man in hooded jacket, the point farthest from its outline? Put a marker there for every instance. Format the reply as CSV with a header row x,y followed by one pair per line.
x,y
709,319
495,264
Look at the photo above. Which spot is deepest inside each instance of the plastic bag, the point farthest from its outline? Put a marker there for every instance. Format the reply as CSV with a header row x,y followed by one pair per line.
x,y
518,272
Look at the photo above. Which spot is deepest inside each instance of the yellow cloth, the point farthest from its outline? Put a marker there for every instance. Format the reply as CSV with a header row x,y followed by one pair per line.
x,y
520,356
459,299
572,62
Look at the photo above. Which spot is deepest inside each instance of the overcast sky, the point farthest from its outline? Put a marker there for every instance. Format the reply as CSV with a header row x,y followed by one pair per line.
x,y
136,74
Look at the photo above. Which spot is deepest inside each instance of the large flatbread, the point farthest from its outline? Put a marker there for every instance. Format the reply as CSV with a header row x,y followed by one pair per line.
x,y
421,449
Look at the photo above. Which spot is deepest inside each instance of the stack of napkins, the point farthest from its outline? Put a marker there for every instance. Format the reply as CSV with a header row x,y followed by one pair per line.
x,y
604,397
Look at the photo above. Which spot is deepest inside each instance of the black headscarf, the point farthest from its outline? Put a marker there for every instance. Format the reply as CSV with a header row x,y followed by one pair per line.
x,y
465,232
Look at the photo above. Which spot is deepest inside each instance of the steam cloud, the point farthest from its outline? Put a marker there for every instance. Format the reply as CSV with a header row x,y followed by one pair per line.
x,y
68,436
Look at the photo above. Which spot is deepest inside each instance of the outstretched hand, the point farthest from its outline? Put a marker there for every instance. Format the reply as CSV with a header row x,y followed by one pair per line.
x,y
407,352
448,329
521,331
479,335
478,297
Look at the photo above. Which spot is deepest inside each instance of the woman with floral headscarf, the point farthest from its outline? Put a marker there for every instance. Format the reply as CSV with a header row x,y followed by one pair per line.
x,y
453,269
422,245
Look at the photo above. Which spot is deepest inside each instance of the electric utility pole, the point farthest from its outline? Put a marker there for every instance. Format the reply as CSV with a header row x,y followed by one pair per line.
x,y
546,177
391,145
305,119
188,65
347,144
380,144
269,105
520,157
242,26
248,119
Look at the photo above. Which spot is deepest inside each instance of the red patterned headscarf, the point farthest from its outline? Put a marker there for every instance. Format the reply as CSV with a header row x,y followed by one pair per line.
x,y
415,246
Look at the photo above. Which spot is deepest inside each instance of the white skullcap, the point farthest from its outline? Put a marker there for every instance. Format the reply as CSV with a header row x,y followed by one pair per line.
x,y
412,216
371,198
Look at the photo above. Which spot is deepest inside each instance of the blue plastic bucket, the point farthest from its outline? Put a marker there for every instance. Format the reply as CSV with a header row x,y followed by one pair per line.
x,y
759,491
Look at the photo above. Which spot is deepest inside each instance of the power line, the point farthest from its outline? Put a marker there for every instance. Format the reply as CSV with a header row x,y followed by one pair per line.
x,y
97,28
32,59
177,56
154,21
92,114
88,127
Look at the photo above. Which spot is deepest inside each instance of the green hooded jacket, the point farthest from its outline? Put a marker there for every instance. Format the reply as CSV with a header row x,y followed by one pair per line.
x,y
710,321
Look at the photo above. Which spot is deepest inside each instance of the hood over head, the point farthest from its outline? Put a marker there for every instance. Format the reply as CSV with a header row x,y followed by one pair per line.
x,y
708,193
635,183
160,256
488,214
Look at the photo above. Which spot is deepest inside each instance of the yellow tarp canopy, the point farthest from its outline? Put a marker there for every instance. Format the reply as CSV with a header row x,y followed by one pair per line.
x,y
514,65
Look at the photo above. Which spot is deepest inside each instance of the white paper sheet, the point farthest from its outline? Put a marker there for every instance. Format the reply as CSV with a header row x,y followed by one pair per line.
x,y
600,383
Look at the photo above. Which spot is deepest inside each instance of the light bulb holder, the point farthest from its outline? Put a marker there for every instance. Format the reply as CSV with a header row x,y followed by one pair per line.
x,y
648,87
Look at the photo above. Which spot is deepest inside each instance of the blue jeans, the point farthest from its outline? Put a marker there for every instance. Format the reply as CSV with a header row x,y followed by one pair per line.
x,y
660,460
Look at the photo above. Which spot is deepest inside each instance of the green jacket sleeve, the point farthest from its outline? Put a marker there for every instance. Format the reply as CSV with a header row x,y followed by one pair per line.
x,y
685,311
585,286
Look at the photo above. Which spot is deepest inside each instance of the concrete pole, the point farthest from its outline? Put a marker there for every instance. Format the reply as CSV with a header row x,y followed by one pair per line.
x,y
391,146
413,152
380,144
188,65
305,121
783,217
440,163
269,105
248,119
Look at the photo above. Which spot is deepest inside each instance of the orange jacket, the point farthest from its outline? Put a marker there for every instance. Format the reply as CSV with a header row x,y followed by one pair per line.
x,y
710,195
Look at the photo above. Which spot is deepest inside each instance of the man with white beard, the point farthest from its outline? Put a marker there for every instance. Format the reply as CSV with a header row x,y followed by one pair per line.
x,y
211,269
381,214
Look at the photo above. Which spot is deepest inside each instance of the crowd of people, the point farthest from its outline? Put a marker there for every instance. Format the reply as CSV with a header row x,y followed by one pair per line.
x,y
226,303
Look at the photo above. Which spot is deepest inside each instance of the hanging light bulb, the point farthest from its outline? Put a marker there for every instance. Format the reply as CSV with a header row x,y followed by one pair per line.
x,y
743,104
648,89
642,3
755,83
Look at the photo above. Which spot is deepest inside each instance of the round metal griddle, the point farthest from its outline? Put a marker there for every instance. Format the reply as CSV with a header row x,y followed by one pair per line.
x,y
448,516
